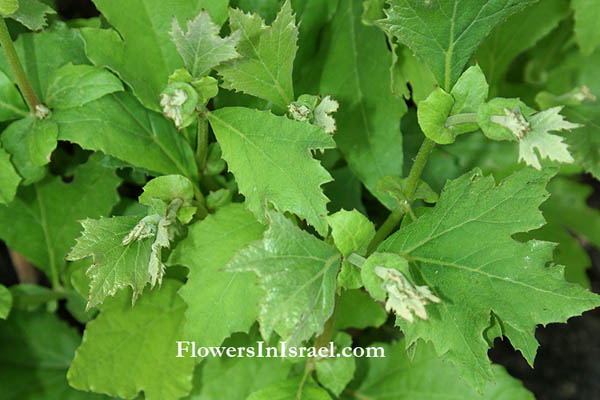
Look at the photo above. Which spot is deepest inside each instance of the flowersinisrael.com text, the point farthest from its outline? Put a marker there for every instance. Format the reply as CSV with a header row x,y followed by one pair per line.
x,y
186,348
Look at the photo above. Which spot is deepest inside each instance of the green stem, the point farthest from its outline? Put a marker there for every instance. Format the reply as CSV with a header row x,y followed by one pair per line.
x,y
201,201
202,143
356,260
417,168
16,67
458,119
411,186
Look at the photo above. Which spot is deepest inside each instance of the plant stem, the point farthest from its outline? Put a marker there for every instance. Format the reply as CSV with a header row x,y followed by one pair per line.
x,y
16,67
356,260
458,119
411,186
417,168
202,143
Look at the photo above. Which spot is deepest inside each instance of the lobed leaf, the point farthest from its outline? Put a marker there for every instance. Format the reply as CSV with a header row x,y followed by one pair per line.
x,y
474,277
200,46
444,34
298,273
283,171
266,61
426,377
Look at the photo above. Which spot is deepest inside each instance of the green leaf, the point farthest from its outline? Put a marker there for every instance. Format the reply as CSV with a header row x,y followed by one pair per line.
x,y
358,310
298,273
9,179
396,187
219,302
459,29
201,47
127,250
336,373
408,69
32,14
144,28
34,365
433,113
41,54
125,351
12,105
584,143
5,302
519,33
29,297
356,73
30,141
352,232
8,6
267,56
474,276
289,389
123,128
16,139
167,188
469,92
283,172
568,251
349,276
39,226
425,376
586,24
372,11
75,85
548,146
236,378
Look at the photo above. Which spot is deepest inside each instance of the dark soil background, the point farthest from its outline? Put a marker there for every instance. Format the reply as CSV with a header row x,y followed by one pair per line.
x,y
567,366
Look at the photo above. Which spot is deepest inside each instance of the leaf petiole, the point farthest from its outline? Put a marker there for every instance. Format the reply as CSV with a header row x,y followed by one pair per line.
x,y
15,65
458,119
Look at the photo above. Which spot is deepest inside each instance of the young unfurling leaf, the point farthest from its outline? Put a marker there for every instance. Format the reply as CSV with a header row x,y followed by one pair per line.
x,y
315,110
264,68
404,298
510,119
127,250
549,146
201,47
